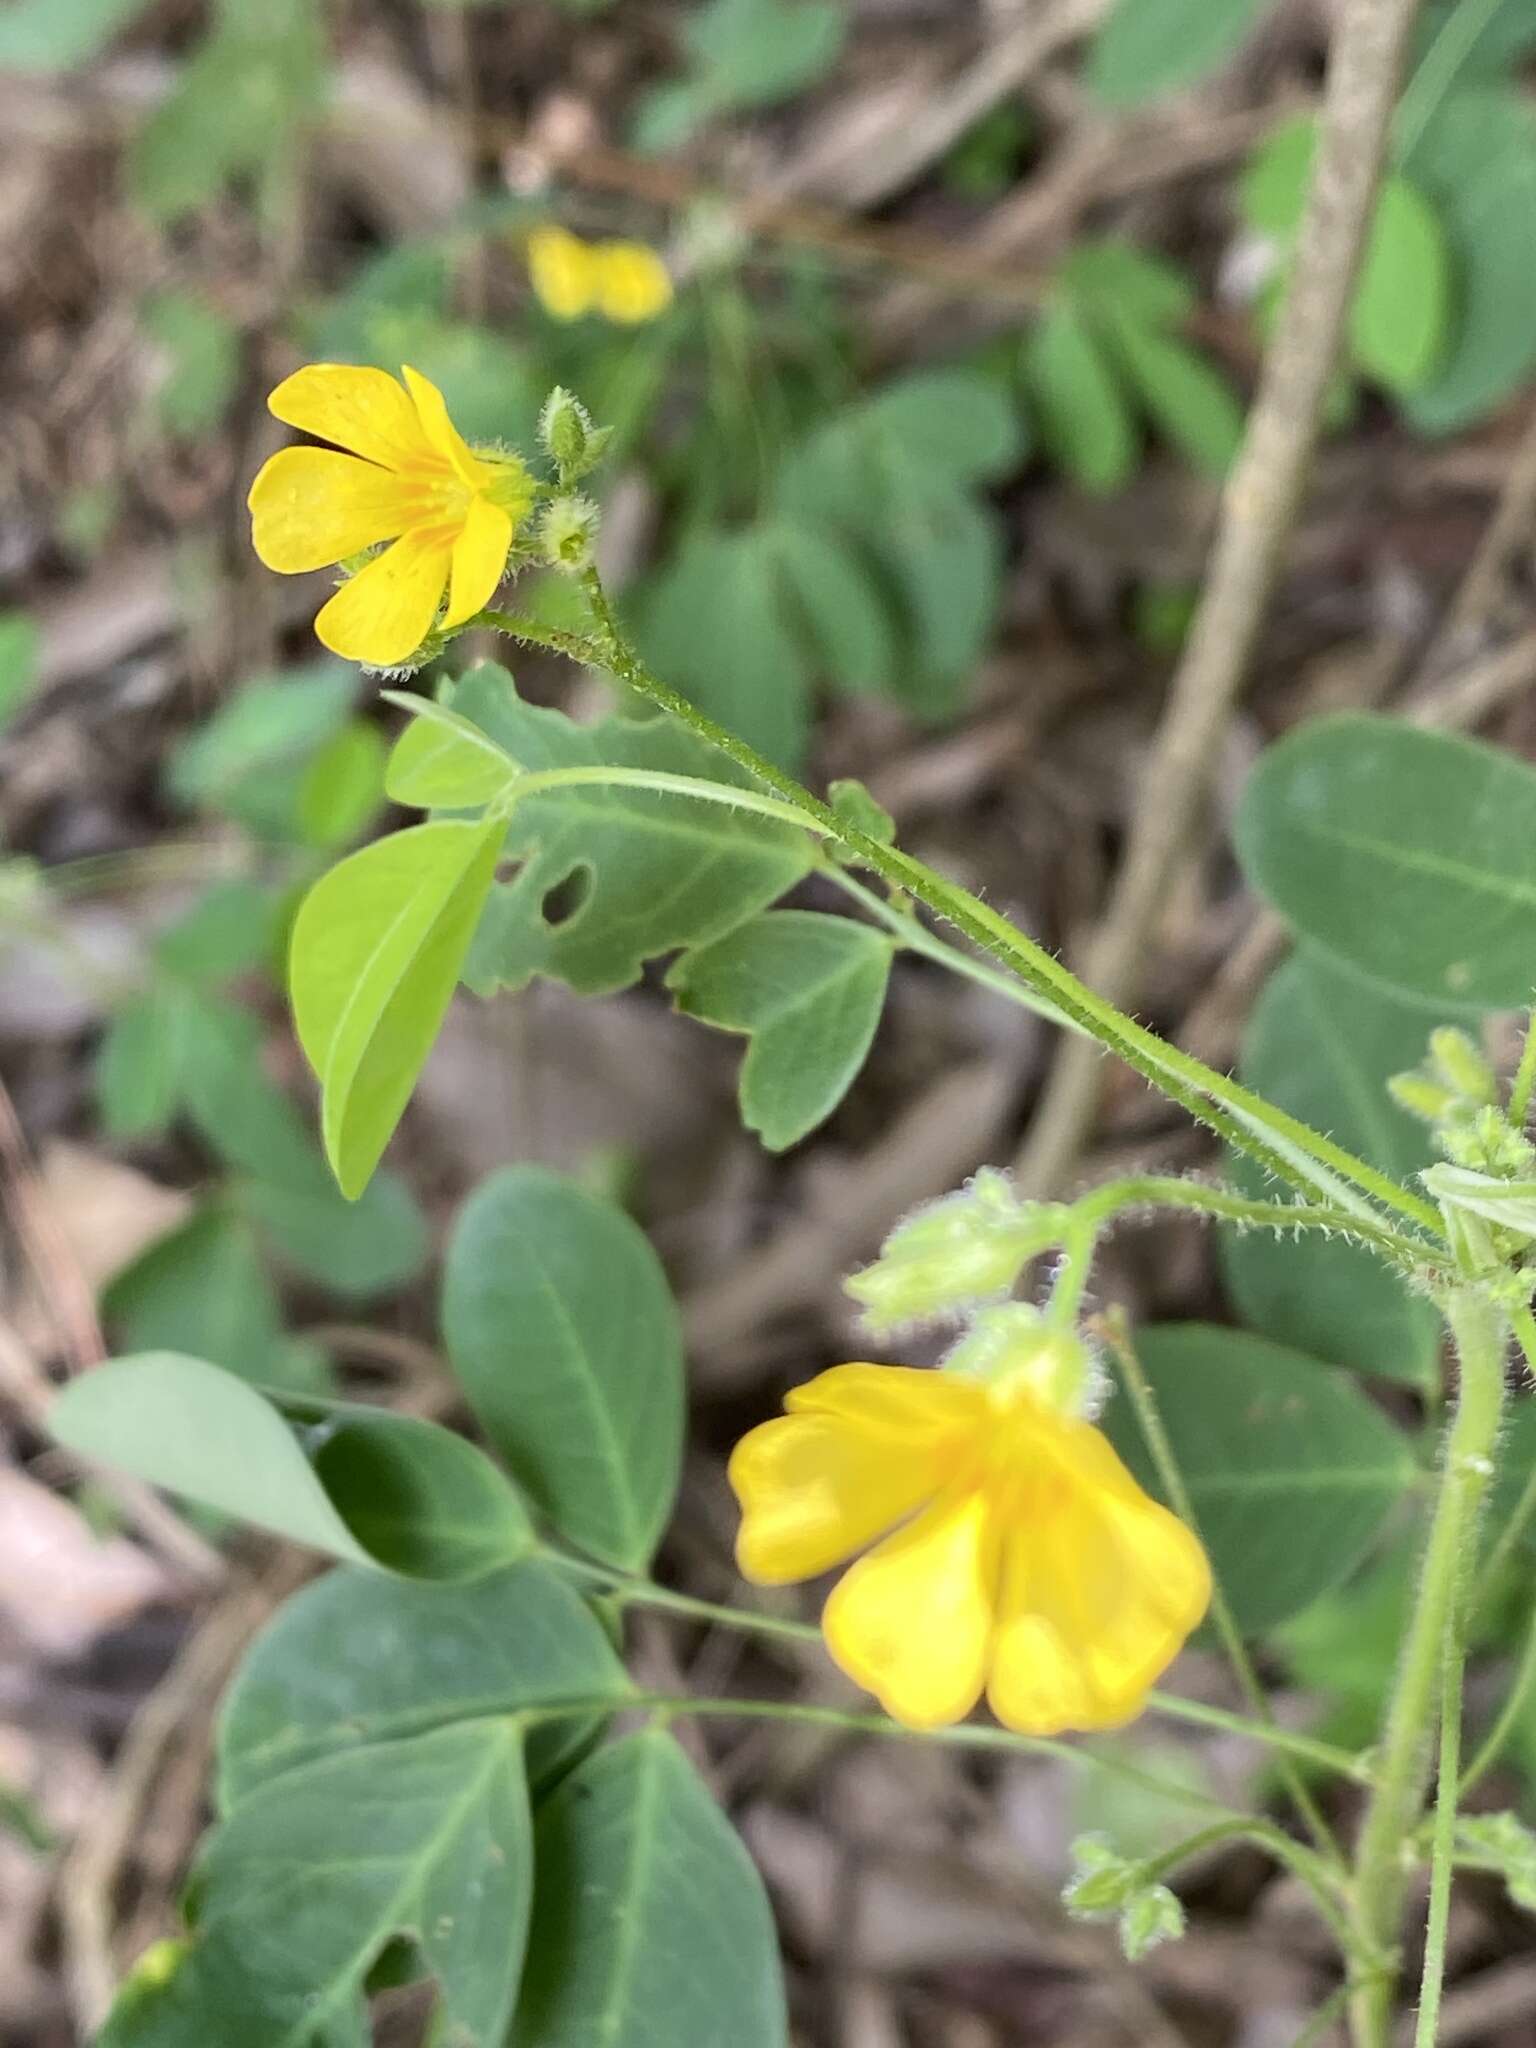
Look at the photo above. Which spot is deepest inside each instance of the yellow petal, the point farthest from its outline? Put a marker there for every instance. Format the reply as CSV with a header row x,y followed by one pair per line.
x,y
815,1488
912,1622
444,436
359,409
1100,1588
632,282
902,1399
563,272
313,506
479,560
381,615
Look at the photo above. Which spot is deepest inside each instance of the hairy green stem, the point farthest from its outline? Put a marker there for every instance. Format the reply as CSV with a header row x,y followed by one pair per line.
x,y
1320,1878
1515,1701
1518,1526
1170,1191
1406,1749
1442,1860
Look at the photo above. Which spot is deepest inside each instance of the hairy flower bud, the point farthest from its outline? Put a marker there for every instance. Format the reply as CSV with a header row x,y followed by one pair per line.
x,y
955,1253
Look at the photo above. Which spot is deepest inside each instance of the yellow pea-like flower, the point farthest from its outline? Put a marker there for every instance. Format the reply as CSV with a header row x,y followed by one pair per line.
x,y
623,281
397,470
1013,1552
633,284
563,271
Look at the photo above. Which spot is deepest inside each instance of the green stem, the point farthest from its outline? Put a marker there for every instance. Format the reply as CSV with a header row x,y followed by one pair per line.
x,y
663,784
1443,1850
1525,1076
1291,1150
1407,1740
1513,1707
1518,1526
1171,1477
1327,2013
1320,1878
1170,1191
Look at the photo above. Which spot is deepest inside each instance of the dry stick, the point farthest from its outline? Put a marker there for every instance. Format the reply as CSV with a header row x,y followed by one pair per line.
x,y
1258,512
1477,599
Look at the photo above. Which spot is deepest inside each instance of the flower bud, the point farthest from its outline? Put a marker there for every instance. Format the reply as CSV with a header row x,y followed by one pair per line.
x,y
571,440
567,533
1013,1345
954,1253
1431,1101
1462,1064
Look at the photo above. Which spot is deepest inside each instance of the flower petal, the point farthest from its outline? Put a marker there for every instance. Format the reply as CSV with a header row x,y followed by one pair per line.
x,y
912,1622
633,284
815,1488
443,436
362,410
381,615
905,1400
313,506
563,272
1100,1588
479,559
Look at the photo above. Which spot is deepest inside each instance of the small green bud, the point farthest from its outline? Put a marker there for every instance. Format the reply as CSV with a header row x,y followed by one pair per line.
x,y
1014,1344
1486,1142
1462,1064
1152,1917
954,1254
1102,1879
1429,1100
573,443
568,532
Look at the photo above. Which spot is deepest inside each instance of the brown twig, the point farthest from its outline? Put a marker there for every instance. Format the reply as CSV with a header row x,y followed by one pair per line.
x,y
1476,601
1258,512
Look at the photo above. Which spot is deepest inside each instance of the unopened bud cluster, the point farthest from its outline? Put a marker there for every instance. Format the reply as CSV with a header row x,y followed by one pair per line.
x,y
952,1255
1487,1186
1106,1885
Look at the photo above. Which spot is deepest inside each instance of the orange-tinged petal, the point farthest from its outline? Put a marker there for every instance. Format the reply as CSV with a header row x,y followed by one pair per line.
x,y
563,272
313,506
912,1622
814,1489
479,560
1100,1588
442,434
381,615
632,282
902,1400
359,409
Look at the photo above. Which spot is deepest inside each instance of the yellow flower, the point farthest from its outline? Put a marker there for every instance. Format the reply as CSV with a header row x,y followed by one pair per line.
x,y
399,471
1018,1556
623,281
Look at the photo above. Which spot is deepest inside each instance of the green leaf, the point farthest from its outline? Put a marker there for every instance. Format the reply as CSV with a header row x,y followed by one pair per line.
x,y
649,1920
1190,403
1460,43
58,35
1407,856
1148,47
229,930
1113,276
358,1249
1290,1469
831,594
21,646
660,871
377,949
743,53
1273,190
1085,423
442,762
1402,307
362,1485
357,1658
1322,1045
809,990
201,351
248,761
1476,161
579,1386
343,786
201,1290
139,1065
302,1889
243,1117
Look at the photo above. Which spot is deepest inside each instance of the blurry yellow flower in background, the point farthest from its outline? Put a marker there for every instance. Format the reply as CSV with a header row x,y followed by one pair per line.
x,y
623,281
1018,1556
398,471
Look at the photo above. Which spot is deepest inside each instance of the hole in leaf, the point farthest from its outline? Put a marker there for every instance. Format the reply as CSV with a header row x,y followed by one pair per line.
x,y
568,896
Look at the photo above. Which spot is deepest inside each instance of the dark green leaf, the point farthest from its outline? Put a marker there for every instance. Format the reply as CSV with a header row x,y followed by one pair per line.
x,y
578,1385
1407,856
809,989
1147,47
360,1248
229,930
1085,423
1190,403
1290,1469
202,1290
832,595
248,760
139,1066
649,1922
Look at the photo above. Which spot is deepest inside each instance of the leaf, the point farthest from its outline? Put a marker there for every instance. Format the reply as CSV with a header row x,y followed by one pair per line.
x,y
649,1921
139,1064
59,35
358,1249
578,1386
1115,276
1402,306
357,1657
835,604
248,760
1459,45
809,990
1147,47
378,945
1191,405
1322,1045
1273,190
200,348
21,646
1290,1469
1408,857
342,787
661,871
744,53
1084,421
443,762
303,1887
201,1290
1477,162
365,1486
230,929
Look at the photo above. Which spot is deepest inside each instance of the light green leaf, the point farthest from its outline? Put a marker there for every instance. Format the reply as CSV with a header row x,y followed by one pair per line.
x,y
1188,401
650,1922
249,759
1147,47
363,1485
1290,1469
1273,191
1407,856
1321,1045
300,1891
1085,423
442,762
21,646
743,53
201,1290
578,1385
358,1657
660,871
343,786
809,989
378,946
58,35
1402,307
1110,275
